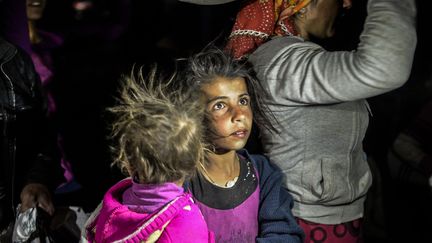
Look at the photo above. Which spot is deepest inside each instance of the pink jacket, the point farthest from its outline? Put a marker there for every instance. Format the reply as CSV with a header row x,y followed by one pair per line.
x,y
178,221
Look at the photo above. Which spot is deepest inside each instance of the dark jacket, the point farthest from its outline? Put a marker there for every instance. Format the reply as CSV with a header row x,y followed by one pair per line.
x,y
275,219
27,142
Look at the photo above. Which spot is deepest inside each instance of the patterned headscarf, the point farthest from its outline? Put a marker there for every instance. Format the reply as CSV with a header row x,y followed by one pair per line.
x,y
260,19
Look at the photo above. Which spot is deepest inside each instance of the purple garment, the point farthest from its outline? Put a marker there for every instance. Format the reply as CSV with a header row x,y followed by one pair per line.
x,y
42,57
239,224
115,221
142,198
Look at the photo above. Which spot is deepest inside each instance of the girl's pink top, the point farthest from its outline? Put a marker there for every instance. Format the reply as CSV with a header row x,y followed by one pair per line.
x,y
124,215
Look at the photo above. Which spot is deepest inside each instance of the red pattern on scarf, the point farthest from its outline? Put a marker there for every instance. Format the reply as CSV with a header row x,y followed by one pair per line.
x,y
256,23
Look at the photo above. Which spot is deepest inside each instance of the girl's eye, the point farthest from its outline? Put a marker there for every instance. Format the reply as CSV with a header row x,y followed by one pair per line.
x,y
244,101
219,106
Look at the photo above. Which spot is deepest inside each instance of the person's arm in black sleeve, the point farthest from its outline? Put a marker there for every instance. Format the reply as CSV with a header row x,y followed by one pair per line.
x,y
45,172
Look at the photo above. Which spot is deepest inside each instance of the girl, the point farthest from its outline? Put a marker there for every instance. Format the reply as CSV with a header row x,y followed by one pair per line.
x,y
239,194
158,135
320,95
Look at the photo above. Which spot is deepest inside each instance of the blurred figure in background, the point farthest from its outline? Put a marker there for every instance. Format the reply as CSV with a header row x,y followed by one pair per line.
x,y
410,158
29,168
43,43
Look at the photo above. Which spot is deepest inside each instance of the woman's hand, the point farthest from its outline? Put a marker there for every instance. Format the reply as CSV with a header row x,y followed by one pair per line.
x,y
36,195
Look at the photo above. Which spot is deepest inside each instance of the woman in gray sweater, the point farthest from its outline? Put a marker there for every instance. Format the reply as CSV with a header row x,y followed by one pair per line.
x,y
318,97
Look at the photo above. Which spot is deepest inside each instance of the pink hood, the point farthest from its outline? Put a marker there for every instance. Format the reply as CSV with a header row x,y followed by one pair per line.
x,y
116,222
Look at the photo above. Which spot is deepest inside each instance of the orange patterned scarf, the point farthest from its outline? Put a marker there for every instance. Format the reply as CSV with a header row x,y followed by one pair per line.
x,y
260,19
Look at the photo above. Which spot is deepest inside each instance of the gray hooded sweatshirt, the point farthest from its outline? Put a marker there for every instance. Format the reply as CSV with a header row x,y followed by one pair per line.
x,y
318,98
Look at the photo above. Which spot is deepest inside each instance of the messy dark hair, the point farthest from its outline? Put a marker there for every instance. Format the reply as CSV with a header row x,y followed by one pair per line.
x,y
157,129
211,63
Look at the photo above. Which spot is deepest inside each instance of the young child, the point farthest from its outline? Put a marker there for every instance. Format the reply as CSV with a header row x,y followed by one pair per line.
x,y
159,144
239,194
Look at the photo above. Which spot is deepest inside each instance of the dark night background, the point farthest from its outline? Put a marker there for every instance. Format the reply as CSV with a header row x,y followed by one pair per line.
x,y
103,42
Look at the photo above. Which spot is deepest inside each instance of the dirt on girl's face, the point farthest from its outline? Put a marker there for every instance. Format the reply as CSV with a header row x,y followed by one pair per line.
x,y
229,113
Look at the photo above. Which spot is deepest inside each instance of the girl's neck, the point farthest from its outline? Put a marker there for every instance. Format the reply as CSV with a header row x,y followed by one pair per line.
x,y
222,161
222,167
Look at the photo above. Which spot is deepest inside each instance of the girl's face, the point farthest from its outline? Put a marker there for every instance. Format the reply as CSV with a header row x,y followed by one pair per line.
x,y
229,113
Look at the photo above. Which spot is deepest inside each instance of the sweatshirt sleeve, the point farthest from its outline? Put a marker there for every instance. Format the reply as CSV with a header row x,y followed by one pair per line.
x,y
276,222
305,73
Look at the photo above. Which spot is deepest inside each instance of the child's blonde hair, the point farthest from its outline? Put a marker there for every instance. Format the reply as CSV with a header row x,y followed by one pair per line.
x,y
157,129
